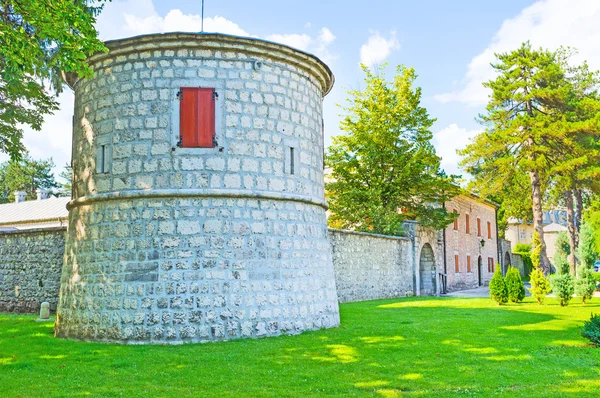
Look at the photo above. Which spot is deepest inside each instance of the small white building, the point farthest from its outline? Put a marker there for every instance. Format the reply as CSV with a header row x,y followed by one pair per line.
x,y
45,212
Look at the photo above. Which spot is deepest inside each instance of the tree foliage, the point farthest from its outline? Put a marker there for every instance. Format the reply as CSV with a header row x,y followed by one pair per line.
x,y
539,120
585,284
40,39
592,219
25,175
586,250
384,169
514,285
66,185
563,250
498,289
540,286
563,287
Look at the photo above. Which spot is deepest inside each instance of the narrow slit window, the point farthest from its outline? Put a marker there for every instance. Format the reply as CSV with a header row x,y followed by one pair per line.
x,y
292,165
456,264
102,157
468,263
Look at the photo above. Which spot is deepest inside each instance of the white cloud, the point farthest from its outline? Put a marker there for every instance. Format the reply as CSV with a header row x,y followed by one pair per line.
x,y
299,41
176,21
447,141
548,24
378,48
318,46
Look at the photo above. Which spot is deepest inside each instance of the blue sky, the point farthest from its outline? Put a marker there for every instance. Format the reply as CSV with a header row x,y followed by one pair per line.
x,y
449,43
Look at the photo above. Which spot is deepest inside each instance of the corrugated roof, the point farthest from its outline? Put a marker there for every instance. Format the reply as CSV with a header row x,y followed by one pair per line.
x,y
34,210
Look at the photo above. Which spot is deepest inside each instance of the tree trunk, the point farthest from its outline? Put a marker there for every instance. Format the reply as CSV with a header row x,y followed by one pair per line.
x,y
571,230
536,200
578,214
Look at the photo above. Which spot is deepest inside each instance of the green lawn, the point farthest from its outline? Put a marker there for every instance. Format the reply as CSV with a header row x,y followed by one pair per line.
x,y
418,346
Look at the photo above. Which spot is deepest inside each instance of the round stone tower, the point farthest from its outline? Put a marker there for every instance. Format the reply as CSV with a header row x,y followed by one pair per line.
x,y
198,208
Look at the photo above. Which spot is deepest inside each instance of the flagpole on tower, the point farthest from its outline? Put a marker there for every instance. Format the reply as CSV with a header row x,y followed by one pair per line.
x,y
202,22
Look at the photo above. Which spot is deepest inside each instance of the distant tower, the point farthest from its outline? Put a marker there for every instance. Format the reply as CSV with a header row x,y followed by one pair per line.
x,y
198,208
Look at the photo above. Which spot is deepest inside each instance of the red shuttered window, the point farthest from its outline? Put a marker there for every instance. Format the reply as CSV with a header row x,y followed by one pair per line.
x,y
467,224
478,227
456,263
456,221
468,263
197,117
489,224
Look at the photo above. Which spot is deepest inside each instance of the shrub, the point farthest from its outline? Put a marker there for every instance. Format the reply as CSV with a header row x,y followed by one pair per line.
x,y
498,290
514,284
522,248
591,330
562,285
540,286
585,285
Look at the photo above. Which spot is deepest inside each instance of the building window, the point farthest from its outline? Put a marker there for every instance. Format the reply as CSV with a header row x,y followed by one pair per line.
x,y
456,221
489,225
456,264
197,117
468,263
478,226
490,264
467,224
103,155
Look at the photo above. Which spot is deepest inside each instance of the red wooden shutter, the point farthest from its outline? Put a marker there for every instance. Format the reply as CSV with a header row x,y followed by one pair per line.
x,y
456,265
478,227
197,117
489,224
468,263
467,224
455,222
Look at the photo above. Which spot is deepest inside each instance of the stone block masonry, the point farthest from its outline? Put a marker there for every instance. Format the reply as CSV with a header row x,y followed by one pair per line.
x,y
30,265
369,267
171,244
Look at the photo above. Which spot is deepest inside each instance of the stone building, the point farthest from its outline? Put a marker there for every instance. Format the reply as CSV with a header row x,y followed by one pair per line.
x,y
198,210
554,222
471,244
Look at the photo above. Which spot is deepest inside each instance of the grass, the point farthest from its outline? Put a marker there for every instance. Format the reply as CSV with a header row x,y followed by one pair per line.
x,y
442,347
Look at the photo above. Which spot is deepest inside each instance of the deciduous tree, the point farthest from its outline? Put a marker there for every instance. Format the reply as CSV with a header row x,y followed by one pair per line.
x,y
39,39
384,169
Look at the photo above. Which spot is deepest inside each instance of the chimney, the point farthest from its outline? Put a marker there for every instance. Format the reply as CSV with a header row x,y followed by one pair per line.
x,y
20,196
41,194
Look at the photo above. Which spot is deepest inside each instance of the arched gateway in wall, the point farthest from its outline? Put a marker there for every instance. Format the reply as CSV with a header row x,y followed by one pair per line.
x,y
427,271
198,208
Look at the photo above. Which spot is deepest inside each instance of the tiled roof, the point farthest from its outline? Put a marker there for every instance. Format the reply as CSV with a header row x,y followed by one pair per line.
x,y
34,211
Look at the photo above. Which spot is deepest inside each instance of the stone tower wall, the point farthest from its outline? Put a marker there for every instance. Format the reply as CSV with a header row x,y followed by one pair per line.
x,y
174,244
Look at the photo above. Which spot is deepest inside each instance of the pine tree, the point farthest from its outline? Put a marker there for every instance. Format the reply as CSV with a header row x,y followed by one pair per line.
x,y
531,120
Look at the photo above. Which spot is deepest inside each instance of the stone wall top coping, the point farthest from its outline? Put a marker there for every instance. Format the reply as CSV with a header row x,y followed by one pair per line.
x,y
181,40
380,236
195,193
33,230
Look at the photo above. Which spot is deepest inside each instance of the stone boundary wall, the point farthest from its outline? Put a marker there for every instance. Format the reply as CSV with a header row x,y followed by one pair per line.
x,y
368,266
30,266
